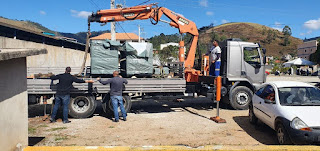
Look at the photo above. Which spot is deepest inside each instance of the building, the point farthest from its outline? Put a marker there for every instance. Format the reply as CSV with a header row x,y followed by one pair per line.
x,y
121,37
307,48
14,98
168,44
62,52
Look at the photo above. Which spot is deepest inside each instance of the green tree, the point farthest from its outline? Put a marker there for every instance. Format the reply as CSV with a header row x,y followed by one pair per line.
x,y
286,30
167,52
287,33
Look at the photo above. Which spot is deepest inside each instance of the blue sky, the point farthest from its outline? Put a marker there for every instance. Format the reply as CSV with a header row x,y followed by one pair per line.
x,y
70,15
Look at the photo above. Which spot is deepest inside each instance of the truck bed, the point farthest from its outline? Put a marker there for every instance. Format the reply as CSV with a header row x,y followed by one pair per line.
x,y
139,85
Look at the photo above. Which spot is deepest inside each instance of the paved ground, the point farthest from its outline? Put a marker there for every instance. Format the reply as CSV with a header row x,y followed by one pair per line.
x,y
157,122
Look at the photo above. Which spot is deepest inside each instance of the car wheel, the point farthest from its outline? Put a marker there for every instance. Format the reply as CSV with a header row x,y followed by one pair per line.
x,y
252,117
282,135
241,98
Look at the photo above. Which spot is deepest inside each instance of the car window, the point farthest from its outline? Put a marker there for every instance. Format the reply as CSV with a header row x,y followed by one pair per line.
x,y
298,96
259,92
268,93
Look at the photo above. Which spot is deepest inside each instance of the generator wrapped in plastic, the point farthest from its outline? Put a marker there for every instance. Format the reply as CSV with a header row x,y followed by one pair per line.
x,y
104,56
137,59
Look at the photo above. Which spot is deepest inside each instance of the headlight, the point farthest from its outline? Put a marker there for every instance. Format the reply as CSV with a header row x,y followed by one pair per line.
x,y
297,123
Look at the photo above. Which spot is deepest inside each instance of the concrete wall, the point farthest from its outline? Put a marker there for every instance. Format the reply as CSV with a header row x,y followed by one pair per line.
x,y
13,104
56,57
307,48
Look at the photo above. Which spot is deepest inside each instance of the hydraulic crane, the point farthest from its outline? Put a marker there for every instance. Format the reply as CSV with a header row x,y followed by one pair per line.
x,y
154,13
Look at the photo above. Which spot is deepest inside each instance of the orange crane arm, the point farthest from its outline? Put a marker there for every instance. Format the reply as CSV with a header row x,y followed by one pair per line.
x,y
154,14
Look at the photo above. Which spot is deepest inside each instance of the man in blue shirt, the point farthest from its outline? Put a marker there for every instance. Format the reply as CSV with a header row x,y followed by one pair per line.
x,y
116,86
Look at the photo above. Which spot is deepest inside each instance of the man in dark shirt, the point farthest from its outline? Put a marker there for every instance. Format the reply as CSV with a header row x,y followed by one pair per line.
x,y
116,86
63,93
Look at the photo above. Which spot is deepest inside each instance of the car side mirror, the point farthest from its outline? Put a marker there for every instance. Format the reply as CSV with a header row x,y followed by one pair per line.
x,y
269,101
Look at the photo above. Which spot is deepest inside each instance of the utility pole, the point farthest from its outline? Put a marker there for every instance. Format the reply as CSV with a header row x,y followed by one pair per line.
x,y
139,33
113,24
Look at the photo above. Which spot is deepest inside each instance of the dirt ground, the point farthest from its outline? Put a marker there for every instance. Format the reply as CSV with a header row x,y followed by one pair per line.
x,y
156,122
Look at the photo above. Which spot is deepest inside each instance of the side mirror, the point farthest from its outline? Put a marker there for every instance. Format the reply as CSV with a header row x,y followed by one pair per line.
x,y
264,50
269,101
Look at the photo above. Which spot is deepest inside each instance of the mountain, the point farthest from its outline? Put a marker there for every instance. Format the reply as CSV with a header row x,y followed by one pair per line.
x,y
269,38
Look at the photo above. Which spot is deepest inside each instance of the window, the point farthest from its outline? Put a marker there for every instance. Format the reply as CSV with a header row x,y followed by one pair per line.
x,y
268,93
259,92
251,56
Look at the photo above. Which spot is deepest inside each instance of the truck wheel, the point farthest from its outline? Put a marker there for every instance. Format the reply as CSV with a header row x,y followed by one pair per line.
x,y
252,118
82,106
126,103
241,98
282,135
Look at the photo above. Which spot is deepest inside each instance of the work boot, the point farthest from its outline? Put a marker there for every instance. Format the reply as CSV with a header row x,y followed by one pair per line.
x,y
124,119
67,121
116,120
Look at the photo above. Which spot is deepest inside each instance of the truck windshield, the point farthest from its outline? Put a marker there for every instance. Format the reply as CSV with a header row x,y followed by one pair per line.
x,y
251,56
299,96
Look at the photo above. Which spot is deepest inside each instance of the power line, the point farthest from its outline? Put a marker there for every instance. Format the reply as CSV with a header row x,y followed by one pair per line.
x,y
123,30
93,3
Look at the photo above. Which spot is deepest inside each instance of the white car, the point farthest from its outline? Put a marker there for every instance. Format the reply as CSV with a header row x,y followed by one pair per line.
x,y
292,109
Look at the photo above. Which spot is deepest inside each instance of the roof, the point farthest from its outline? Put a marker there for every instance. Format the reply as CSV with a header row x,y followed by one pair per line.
x,y
280,84
119,36
7,54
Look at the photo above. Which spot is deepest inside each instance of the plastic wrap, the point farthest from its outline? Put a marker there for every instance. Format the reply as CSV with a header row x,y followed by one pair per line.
x,y
104,56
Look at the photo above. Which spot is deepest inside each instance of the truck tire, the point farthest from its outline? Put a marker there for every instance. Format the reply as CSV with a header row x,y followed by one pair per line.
x,y
82,106
108,108
241,97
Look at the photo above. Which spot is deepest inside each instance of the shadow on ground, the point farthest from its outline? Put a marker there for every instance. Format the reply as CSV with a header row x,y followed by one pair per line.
x,y
260,132
34,140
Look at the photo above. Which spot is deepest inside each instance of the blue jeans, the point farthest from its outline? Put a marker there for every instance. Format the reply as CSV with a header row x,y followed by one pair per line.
x,y
115,101
64,100
215,68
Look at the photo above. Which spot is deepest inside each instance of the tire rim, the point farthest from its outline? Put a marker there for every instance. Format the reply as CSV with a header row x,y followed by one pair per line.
x,y
80,105
124,105
280,135
242,98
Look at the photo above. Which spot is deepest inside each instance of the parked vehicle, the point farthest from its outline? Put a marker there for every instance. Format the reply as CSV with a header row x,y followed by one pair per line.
x,y
291,109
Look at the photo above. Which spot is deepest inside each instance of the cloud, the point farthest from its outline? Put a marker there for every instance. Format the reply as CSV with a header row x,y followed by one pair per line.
x,y
223,21
307,33
203,3
43,12
278,26
209,13
80,14
312,24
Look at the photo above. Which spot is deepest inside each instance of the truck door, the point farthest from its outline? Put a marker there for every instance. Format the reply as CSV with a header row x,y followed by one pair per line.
x,y
252,64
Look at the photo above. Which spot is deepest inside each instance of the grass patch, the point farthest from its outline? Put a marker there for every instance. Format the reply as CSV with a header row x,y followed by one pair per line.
x,y
61,138
58,128
43,125
31,130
